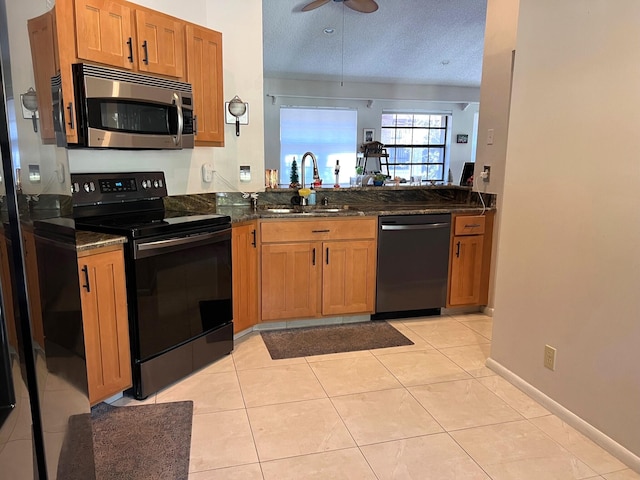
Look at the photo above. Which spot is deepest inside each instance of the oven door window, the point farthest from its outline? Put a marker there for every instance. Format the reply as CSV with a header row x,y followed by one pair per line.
x,y
131,116
183,290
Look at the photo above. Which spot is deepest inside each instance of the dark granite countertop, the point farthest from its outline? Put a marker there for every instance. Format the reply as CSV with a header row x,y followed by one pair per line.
x,y
245,213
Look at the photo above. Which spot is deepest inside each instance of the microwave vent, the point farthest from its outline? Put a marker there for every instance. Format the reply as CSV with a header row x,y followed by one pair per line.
x,y
130,77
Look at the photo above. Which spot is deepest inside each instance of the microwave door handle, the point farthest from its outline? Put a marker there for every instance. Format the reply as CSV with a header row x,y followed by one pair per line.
x,y
177,102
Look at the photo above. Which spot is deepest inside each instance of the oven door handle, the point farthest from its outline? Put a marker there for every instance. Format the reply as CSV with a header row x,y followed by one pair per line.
x,y
158,247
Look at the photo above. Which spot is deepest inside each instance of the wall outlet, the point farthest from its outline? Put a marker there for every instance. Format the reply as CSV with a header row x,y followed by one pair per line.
x,y
549,357
486,174
207,173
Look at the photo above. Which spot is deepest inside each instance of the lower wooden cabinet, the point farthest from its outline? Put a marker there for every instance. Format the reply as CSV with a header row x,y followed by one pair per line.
x,y
348,277
315,268
470,260
290,280
244,257
33,285
104,318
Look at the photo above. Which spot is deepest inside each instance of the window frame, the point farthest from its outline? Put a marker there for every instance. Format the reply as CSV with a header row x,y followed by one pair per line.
x,y
392,148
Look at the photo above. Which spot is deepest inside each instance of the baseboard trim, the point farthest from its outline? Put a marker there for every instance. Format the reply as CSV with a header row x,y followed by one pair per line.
x,y
614,448
488,311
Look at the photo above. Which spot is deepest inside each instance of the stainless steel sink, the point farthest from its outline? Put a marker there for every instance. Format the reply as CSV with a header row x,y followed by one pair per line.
x,y
302,210
325,210
278,210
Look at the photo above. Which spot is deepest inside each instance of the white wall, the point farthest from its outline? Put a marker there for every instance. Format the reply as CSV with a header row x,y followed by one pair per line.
x,y
568,273
242,60
499,43
461,103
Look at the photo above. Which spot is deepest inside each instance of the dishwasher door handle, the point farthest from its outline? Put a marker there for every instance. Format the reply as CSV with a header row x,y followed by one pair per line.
x,y
423,226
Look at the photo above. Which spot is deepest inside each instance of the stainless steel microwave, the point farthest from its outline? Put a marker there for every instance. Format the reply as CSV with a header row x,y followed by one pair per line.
x,y
121,109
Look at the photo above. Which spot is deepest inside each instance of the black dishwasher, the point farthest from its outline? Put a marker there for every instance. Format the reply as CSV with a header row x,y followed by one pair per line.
x,y
413,265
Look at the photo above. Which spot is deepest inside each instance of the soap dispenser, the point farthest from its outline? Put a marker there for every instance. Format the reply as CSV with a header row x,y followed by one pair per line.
x,y
312,196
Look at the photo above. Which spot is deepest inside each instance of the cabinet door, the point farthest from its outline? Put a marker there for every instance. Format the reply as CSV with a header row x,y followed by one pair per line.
x,y
104,32
290,280
33,286
104,318
466,270
244,256
204,72
348,277
160,43
45,65
7,293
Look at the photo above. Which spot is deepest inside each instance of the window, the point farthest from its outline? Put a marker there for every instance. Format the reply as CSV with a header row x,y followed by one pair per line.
x,y
329,133
416,144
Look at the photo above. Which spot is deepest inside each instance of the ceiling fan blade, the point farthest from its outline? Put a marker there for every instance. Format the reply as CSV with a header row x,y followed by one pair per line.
x,y
315,4
362,6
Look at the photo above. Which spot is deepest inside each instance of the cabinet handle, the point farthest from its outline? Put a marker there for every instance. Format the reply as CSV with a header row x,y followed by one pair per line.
x,y
253,242
70,108
473,225
130,57
146,53
86,286
327,255
458,249
195,124
313,256
320,231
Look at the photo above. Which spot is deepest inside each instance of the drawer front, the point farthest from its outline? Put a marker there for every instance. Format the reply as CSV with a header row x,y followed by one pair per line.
x,y
317,229
469,225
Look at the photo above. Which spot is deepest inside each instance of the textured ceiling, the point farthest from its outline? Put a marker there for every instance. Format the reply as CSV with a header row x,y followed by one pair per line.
x,y
424,42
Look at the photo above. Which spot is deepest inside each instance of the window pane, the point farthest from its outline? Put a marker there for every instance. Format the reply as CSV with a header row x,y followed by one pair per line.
x,y
421,120
435,172
436,137
402,171
329,133
388,120
436,155
404,120
388,136
438,121
420,136
404,136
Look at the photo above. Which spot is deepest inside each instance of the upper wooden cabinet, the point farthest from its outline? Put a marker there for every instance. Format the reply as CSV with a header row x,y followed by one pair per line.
x,y
104,33
204,72
42,41
124,35
107,34
160,43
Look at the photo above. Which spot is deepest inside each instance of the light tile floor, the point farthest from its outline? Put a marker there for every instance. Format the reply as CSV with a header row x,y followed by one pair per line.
x,y
431,410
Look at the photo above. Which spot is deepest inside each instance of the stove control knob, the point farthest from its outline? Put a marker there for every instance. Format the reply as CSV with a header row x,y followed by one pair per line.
x,y
76,187
86,187
145,185
92,186
156,184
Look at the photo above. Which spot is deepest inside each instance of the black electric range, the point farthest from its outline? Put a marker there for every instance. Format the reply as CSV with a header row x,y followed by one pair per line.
x,y
178,274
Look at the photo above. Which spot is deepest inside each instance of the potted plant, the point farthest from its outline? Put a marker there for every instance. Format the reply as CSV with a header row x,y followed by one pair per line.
x,y
379,178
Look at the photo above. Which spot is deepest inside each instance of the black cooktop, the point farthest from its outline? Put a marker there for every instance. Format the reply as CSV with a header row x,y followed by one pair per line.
x,y
146,224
